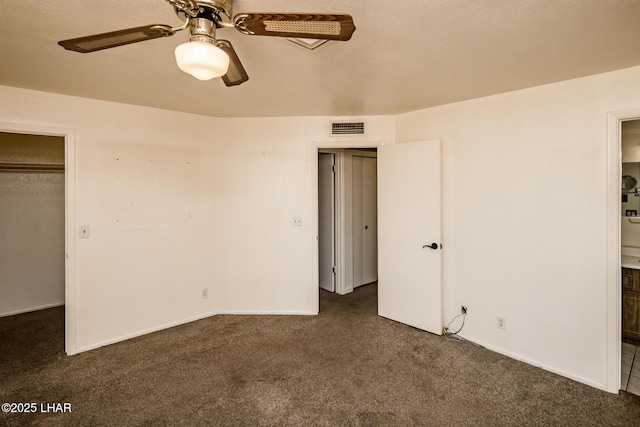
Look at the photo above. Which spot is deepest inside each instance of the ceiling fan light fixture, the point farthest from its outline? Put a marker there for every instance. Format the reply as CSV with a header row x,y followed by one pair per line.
x,y
202,59
204,56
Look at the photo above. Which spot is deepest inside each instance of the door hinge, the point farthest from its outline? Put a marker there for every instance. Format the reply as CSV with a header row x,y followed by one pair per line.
x,y
333,168
333,269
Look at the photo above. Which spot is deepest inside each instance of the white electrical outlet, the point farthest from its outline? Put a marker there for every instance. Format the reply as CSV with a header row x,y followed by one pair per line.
x,y
205,293
297,221
501,323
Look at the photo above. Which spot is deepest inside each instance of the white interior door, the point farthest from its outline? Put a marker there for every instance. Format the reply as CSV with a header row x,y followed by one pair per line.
x,y
370,220
326,221
364,220
409,220
357,220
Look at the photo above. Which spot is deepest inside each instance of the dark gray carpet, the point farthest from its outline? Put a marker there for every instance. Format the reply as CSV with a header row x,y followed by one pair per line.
x,y
344,367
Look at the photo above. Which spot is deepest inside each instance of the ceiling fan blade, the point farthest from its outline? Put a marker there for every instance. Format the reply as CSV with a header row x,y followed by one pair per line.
x,y
236,74
116,38
312,26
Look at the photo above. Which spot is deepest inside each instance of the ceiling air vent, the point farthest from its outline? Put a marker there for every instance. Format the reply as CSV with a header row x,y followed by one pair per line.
x,y
347,128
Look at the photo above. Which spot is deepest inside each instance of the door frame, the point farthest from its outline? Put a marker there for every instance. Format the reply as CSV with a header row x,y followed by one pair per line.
x,y
69,219
334,146
614,293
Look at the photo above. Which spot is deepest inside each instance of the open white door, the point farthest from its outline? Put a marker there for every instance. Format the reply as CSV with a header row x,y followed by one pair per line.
x,y
409,222
326,221
365,222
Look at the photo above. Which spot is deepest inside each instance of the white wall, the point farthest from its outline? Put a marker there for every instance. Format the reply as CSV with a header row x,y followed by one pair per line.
x,y
145,186
267,175
178,202
630,141
541,262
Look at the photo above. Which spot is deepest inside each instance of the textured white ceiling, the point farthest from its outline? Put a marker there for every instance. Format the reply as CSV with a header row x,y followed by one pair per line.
x,y
405,55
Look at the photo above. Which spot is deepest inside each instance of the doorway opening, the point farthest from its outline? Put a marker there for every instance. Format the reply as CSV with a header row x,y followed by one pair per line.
x,y
38,177
347,218
32,223
630,255
409,233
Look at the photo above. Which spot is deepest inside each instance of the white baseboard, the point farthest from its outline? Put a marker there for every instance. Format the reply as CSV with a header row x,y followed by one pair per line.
x,y
502,351
182,322
29,310
269,313
537,364
140,333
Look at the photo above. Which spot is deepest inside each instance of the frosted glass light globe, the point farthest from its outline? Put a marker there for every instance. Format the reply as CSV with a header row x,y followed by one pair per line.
x,y
202,60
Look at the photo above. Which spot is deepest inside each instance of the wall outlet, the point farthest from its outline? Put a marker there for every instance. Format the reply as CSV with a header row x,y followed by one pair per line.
x,y
297,221
205,293
501,323
463,309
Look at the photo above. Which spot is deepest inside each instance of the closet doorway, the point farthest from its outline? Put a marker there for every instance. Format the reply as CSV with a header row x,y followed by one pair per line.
x,y
347,218
65,173
32,222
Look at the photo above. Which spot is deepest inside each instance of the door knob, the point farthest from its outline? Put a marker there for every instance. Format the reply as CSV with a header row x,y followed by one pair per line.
x,y
432,246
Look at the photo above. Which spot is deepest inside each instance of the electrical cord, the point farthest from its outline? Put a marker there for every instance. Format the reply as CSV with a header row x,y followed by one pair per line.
x,y
454,335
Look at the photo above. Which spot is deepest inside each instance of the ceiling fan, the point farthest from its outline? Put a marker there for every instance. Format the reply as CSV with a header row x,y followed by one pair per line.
x,y
206,57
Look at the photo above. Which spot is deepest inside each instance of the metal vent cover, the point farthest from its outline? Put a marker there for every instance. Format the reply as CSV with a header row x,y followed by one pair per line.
x,y
347,128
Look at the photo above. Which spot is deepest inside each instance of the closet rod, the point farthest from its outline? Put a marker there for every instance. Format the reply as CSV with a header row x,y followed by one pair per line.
x,y
30,167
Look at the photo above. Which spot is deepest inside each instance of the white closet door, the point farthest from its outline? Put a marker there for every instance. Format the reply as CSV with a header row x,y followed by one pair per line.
x,y
357,219
364,220
370,220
